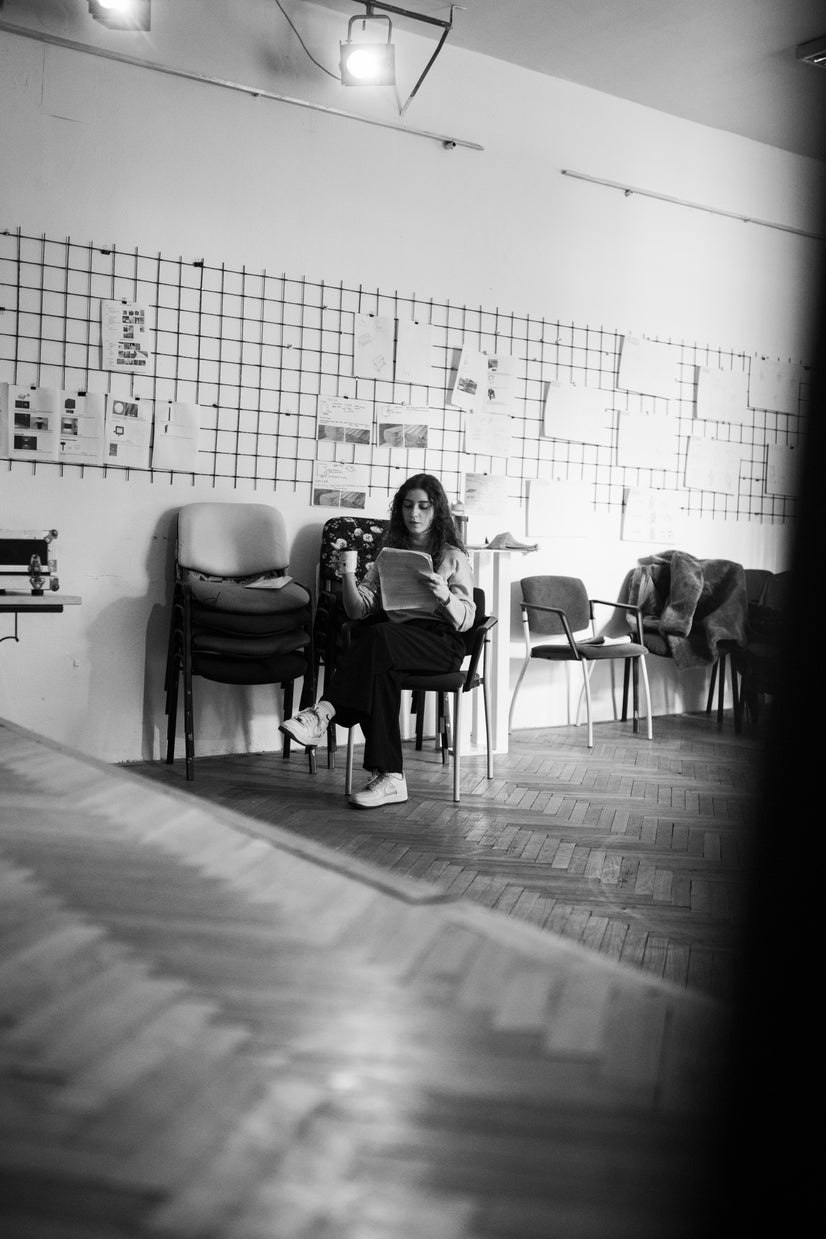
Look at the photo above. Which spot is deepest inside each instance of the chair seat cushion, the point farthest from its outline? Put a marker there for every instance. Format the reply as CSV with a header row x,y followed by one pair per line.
x,y
589,653
248,623
231,596
278,669
243,647
447,682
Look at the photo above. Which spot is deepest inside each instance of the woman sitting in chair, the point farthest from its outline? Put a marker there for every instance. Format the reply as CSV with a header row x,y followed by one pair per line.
x,y
364,688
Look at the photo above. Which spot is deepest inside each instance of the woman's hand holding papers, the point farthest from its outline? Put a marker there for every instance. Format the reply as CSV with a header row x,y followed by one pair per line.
x,y
437,585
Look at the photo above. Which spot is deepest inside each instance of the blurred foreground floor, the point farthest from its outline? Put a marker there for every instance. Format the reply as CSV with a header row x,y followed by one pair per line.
x,y
222,1027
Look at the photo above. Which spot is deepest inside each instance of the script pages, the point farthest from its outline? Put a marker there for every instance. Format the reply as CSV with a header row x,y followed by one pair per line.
x,y
402,589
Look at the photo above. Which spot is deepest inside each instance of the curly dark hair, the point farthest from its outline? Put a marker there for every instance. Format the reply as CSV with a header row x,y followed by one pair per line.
x,y
442,531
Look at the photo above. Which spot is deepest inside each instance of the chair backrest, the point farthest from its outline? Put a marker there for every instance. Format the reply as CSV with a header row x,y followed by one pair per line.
x,y
756,581
362,534
776,594
768,618
566,592
231,539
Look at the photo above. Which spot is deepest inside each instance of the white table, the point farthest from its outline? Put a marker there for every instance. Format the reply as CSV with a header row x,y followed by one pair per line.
x,y
24,602
492,573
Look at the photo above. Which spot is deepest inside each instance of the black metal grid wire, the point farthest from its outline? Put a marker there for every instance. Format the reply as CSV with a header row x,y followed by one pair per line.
x,y
256,351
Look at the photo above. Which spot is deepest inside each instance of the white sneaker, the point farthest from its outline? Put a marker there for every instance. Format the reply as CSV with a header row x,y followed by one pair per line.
x,y
382,789
308,727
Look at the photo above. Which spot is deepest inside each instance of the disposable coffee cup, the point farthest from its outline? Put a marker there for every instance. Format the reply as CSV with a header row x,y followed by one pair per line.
x,y
347,561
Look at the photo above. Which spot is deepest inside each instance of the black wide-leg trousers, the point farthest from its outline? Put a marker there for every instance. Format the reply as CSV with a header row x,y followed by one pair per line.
x,y
365,687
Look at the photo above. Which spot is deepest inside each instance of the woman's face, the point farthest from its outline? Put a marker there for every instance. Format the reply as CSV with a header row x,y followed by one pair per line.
x,y
417,514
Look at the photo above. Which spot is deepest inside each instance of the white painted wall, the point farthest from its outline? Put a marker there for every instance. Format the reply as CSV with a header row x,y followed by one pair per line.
x,y
105,152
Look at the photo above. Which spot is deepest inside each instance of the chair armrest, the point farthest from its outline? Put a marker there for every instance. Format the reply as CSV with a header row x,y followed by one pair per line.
x,y
538,606
481,636
327,604
327,624
347,629
622,606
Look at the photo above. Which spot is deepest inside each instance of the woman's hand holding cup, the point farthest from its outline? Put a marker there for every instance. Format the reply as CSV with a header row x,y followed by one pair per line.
x,y
347,562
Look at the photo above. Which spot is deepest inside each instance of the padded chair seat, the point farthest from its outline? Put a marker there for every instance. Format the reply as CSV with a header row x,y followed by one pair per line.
x,y
588,651
281,668
446,683
248,623
231,596
247,646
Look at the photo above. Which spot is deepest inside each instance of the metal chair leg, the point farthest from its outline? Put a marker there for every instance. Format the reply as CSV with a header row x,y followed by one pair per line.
x,y
647,691
516,688
457,745
586,684
711,686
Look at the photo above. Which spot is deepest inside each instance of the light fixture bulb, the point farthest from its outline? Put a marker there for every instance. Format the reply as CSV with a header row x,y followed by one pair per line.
x,y
365,62
122,14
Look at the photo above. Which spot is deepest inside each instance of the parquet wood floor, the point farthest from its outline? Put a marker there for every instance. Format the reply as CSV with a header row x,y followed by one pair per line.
x,y
636,849
216,1027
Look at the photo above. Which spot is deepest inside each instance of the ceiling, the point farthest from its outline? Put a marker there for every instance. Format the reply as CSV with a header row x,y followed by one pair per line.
x,y
729,64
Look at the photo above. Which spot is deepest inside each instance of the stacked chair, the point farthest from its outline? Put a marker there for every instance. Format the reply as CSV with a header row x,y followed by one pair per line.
x,y
237,616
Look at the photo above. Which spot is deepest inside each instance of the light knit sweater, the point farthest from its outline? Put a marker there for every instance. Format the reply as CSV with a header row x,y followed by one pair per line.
x,y
458,611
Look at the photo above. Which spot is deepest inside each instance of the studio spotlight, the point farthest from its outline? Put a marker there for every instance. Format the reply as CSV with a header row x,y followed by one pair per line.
x,y
368,62
122,14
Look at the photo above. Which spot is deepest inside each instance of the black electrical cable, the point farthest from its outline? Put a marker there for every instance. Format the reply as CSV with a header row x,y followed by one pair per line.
x,y
290,23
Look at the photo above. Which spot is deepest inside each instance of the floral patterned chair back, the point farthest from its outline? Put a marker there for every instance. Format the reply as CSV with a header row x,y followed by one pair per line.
x,y
348,533
364,535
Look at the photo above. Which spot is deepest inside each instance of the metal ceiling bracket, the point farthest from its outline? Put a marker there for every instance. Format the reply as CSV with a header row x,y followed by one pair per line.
x,y
445,25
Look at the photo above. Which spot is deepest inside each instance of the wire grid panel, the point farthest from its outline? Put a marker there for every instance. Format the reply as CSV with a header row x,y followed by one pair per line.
x,y
256,351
